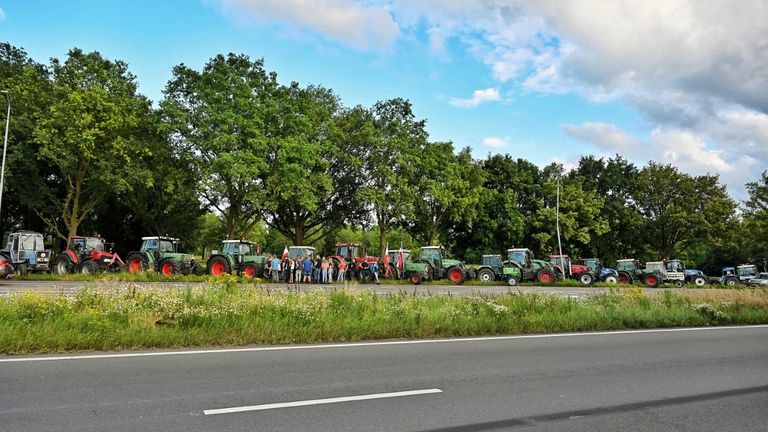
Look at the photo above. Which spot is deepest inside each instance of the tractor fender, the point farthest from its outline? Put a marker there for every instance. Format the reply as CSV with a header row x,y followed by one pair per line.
x,y
72,256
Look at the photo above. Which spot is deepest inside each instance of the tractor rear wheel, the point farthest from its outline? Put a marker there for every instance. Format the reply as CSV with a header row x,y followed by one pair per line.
x,y
136,263
415,278
89,267
625,278
169,267
486,275
586,278
456,275
699,281
64,265
651,280
545,276
20,270
218,265
249,271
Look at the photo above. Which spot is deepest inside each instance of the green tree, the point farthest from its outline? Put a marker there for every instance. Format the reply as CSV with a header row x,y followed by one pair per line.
x,y
680,209
89,135
218,118
756,219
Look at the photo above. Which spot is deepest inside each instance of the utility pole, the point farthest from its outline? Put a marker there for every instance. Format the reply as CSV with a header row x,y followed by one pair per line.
x,y
5,146
557,222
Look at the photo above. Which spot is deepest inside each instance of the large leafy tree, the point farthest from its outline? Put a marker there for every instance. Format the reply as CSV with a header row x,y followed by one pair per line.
x,y
680,209
447,191
389,167
29,88
218,118
756,218
90,136
314,159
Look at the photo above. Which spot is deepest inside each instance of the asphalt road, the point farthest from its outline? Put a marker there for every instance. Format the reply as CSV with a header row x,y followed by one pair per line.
x,y
682,380
70,287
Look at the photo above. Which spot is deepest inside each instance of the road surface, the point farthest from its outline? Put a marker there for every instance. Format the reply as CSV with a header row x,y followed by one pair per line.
x,y
712,379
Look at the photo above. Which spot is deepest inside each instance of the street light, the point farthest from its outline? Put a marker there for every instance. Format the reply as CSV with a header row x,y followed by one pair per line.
x,y
5,146
557,222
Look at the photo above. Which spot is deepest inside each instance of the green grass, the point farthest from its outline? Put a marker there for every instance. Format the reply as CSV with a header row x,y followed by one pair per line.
x,y
226,313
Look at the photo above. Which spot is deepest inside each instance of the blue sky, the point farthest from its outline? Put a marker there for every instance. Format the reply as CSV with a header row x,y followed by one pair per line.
x,y
673,81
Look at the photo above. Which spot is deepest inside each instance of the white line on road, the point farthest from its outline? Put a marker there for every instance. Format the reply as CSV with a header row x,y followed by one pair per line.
x,y
370,344
320,401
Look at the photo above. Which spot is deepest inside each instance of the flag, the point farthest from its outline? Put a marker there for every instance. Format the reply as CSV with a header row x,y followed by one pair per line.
x,y
400,263
386,257
285,253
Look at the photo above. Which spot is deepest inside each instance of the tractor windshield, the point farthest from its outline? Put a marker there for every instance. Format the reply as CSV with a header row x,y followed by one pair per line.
x,y
94,244
246,249
520,256
347,251
432,254
747,271
675,266
301,251
166,246
492,260
626,266
593,264
32,242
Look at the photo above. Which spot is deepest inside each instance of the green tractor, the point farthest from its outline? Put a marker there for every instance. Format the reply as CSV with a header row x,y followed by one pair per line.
x,y
493,269
433,264
530,269
630,270
237,257
161,255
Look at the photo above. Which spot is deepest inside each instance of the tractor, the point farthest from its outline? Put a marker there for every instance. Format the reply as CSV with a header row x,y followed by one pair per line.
x,y
604,274
667,272
493,269
629,270
26,252
433,264
237,257
694,276
396,264
580,272
741,274
355,256
88,255
530,269
161,255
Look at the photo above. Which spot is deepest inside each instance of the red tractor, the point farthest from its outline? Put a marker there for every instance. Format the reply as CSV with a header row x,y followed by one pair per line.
x,y
88,255
356,258
580,272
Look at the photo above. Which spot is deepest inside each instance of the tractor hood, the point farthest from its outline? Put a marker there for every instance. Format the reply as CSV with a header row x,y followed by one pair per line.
x,y
450,263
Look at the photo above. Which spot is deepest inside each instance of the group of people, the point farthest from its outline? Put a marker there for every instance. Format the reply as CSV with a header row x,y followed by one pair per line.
x,y
308,270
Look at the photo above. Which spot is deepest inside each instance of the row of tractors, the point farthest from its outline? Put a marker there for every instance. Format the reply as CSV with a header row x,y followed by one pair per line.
x,y
25,252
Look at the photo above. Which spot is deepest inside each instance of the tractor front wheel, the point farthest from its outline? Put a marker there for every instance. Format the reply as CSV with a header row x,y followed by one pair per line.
x,y
611,279
217,266
545,276
64,265
169,267
699,281
415,278
486,275
89,267
249,271
456,275
512,281
20,270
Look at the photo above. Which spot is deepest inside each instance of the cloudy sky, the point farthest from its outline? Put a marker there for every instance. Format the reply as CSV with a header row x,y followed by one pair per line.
x,y
675,81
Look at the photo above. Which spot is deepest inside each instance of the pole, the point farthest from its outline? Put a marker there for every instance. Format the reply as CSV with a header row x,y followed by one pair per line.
x,y
5,146
557,222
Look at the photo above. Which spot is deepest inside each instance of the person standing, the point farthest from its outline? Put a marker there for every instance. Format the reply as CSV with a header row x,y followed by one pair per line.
x,y
275,269
324,271
307,270
298,263
318,270
330,270
342,270
374,268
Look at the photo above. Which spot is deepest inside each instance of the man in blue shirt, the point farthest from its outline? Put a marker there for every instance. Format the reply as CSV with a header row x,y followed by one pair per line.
x,y
307,269
275,269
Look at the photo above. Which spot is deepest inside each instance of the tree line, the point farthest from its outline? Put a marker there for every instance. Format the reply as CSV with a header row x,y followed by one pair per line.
x,y
230,152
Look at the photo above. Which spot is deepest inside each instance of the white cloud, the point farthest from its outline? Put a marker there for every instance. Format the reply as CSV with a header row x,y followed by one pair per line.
x,y
359,25
496,142
605,136
2,14
479,96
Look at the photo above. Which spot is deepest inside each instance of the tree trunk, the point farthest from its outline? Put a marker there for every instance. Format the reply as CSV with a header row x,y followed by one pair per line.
x,y
298,236
382,240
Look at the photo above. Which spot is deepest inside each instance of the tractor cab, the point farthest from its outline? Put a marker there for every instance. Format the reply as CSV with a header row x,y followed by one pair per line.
x,y
675,265
594,264
159,245
301,251
85,245
433,254
26,250
238,249
746,272
524,257
493,261
348,251
629,265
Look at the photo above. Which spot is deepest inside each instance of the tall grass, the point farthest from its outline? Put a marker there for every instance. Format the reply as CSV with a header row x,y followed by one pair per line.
x,y
227,313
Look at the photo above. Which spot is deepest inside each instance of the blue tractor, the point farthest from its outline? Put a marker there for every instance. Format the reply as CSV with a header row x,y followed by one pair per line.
x,y
741,274
604,274
26,252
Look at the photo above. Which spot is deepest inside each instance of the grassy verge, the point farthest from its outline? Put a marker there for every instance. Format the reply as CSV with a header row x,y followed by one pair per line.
x,y
234,314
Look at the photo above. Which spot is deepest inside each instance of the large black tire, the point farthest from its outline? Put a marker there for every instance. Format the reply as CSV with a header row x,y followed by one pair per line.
x,y
194,268
64,265
651,280
512,281
89,267
625,278
169,267
486,275
249,271
586,278
456,275
20,270
730,282
136,262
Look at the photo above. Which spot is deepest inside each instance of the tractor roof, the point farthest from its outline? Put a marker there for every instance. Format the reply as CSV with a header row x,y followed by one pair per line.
x,y
26,232
398,250
558,256
86,237
301,247
626,260
431,247
518,250
492,255
172,239
747,266
346,244
239,241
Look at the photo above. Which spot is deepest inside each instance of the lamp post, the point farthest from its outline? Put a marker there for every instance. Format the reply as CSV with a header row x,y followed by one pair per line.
x,y
5,146
557,223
